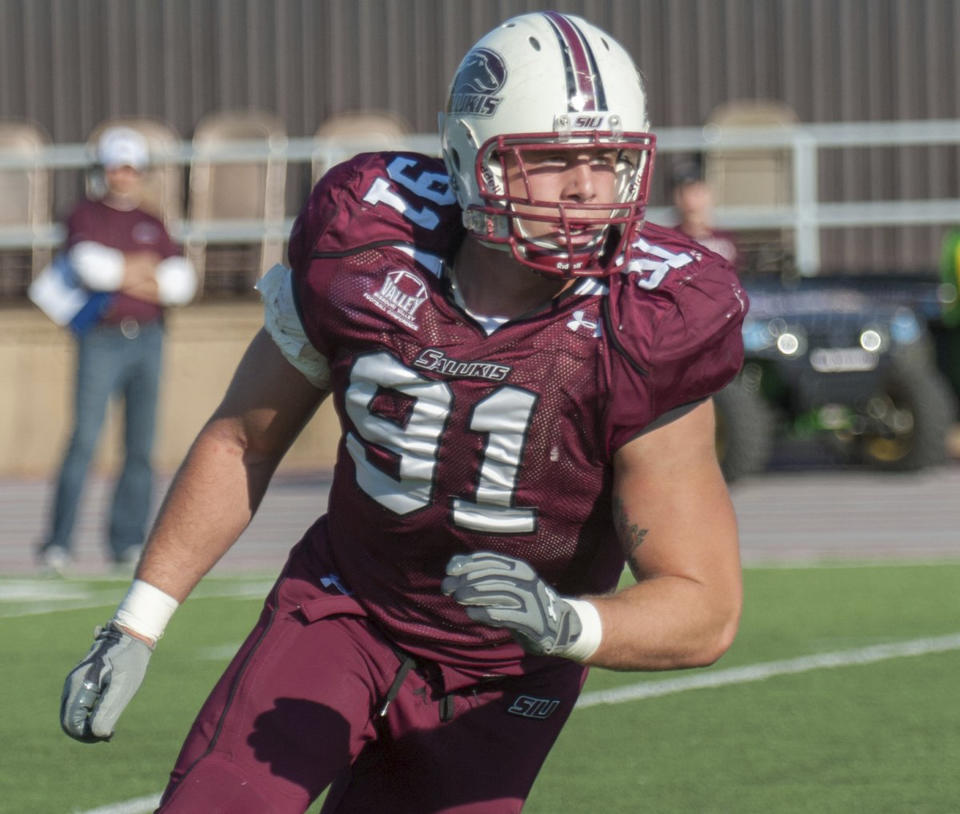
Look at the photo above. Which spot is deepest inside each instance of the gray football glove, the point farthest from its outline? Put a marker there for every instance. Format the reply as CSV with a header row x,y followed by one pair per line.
x,y
502,591
99,688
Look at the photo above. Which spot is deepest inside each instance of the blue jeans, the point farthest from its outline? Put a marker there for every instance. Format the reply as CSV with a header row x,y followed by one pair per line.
x,y
112,360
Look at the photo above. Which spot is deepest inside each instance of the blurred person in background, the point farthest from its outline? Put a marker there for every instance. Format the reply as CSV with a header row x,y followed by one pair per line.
x,y
130,270
950,279
949,340
693,203
522,369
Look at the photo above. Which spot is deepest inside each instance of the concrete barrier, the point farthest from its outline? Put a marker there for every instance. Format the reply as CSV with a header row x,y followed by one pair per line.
x,y
204,345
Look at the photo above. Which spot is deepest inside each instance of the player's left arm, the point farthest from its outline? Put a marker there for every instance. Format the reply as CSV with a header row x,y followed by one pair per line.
x,y
677,527
672,511
676,523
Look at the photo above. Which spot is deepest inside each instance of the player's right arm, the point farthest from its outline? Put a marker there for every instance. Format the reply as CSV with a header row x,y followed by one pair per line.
x,y
284,375
212,499
226,472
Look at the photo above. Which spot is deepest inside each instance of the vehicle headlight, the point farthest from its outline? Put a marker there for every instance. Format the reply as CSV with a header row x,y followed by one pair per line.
x,y
871,340
791,340
789,343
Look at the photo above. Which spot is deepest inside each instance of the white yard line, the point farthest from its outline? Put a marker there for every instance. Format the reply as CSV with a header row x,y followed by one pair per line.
x,y
715,678
140,805
24,598
769,669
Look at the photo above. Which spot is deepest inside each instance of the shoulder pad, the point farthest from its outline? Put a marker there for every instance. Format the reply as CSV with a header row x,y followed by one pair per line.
x,y
665,273
658,250
675,312
376,199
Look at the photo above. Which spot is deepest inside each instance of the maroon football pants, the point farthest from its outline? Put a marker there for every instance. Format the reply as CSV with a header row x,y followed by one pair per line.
x,y
317,696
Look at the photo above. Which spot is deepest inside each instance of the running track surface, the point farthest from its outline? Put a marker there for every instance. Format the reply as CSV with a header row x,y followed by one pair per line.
x,y
786,517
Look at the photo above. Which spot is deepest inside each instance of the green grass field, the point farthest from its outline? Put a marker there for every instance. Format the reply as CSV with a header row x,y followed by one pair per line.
x,y
877,731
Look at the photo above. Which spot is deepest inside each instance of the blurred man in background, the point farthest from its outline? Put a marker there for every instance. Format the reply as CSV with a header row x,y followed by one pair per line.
x,y
130,270
693,202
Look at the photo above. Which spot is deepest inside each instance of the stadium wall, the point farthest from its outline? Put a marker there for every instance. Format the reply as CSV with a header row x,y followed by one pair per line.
x,y
70,64
204,345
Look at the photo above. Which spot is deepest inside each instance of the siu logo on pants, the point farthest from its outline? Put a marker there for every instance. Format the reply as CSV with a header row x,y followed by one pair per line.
x,y
527,706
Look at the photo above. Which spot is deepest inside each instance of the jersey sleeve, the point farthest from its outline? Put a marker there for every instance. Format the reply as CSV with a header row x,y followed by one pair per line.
x,y
371,206
674,343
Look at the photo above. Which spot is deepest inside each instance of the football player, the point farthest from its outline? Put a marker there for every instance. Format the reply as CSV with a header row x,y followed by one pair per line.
x,y
522,370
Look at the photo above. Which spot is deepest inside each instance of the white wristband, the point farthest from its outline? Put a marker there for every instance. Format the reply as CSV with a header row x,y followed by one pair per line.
x,y
591,633
146,610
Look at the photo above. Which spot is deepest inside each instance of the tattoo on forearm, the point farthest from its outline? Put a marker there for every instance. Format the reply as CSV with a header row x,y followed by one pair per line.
x,y
630,534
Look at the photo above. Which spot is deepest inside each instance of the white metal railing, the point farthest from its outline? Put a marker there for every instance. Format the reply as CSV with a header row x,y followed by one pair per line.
x,y
804,217
807,215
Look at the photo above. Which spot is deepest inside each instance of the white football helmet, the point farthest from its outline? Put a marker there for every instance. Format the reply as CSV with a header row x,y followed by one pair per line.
x,y
548,82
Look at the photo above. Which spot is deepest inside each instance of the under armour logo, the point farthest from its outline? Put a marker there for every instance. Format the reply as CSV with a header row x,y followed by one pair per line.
x,y
579,320
334,580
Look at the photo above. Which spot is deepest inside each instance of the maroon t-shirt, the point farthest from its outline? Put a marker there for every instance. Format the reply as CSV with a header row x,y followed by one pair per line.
x,y
719,242
455,441
129,231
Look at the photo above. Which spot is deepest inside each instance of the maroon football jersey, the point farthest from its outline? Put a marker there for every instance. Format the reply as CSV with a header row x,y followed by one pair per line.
x,y
455,440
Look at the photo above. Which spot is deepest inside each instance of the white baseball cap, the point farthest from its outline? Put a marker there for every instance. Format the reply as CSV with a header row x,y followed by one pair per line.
x,y
123,147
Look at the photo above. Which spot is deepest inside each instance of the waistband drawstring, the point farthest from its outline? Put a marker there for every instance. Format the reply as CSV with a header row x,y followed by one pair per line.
x,y
406,666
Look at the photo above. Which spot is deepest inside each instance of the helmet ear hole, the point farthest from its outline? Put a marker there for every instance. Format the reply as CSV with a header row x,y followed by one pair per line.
x,y
535,43
455,157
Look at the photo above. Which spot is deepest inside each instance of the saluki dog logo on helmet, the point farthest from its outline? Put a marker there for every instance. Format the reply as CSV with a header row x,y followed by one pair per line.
x,y
482,74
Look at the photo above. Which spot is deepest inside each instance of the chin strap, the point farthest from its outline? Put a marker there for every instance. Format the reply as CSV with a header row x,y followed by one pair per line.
x,y
484,225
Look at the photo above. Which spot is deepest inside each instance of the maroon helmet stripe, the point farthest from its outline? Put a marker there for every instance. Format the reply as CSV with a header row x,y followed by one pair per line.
x,y
583,78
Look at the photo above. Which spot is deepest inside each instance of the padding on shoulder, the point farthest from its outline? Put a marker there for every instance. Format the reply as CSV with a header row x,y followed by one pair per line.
x,y
698,346
282,322
674,320
378,199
